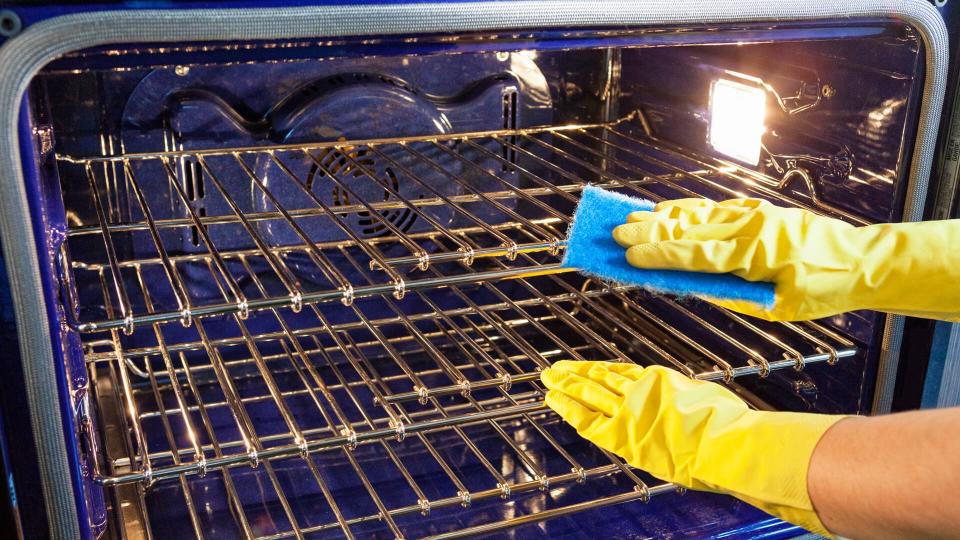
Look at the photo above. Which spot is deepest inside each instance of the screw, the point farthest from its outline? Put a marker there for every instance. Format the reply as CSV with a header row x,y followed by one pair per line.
x,y
182,70
828,91
10,24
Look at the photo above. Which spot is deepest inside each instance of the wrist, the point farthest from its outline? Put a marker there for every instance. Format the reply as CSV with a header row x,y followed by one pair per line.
x,y
763,459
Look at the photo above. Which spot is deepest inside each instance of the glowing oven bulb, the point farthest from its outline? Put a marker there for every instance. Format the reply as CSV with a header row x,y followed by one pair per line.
x,y
737,114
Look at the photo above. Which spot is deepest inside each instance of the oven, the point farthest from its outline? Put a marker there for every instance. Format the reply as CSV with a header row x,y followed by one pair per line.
x,y
293,271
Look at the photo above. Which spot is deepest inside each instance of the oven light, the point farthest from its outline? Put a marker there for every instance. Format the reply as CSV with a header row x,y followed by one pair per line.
x,y
737,113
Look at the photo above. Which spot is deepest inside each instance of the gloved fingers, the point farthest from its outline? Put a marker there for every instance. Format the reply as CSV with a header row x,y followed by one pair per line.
x,y
673,209
686,217
661,377
718,230
630,372
642,232
681,216
714,256
598,372
640,215
713,215
582,419
651,375
746,308
588,393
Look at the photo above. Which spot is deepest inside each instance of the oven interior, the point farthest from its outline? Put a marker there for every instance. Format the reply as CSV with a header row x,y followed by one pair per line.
x,y
307,288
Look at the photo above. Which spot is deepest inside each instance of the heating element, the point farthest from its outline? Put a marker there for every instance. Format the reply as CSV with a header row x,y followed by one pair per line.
x,y
377,381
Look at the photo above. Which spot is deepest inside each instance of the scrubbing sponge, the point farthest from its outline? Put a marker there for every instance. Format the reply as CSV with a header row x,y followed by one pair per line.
x,y
592,250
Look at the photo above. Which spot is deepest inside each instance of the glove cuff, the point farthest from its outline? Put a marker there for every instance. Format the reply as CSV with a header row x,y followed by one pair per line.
x,y
909,268
768,462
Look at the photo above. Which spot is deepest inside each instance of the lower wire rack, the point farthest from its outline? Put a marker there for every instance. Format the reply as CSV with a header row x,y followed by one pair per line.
x,y
355,418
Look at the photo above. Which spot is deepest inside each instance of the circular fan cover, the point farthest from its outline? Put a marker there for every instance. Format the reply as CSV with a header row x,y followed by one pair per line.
x,y
349,108
353,167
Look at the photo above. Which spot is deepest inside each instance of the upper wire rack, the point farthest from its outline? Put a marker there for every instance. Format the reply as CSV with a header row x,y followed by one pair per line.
x,y
187,219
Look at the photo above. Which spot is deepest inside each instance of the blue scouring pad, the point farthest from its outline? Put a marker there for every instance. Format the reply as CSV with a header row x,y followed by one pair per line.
x,y
592,250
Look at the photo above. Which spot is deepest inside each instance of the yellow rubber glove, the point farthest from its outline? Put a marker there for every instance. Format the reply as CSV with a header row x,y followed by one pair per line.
x,y
697,434
820,266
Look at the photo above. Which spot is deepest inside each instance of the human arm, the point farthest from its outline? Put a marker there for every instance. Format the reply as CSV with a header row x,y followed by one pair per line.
x,y
885,477
820,266
892,476
696,434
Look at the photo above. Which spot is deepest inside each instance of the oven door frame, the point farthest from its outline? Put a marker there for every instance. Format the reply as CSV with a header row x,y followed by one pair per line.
x,y
47,37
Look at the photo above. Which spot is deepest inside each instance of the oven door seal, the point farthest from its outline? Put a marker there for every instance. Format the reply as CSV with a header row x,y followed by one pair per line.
x,y
23,56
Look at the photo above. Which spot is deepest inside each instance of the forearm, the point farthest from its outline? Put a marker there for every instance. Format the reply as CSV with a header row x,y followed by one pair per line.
x,y
893,476
918,273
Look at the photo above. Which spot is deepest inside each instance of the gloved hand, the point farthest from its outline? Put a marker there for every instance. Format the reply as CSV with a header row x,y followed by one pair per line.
x,y
697,434
820,266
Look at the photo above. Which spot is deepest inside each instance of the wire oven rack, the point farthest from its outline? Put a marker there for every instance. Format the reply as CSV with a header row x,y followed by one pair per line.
x,y
446,370
554,162
219,372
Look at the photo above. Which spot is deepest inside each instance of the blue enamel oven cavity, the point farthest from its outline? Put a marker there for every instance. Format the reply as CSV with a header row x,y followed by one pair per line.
x,y
848,120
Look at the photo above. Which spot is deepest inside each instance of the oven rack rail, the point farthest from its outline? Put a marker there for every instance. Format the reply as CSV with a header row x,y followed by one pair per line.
x,y
555,163
483,355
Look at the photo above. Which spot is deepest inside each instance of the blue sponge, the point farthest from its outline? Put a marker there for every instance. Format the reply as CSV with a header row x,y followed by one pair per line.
x,y
592,250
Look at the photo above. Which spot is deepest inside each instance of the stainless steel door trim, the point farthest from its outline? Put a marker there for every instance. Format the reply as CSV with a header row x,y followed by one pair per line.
x,y
888,362
23,56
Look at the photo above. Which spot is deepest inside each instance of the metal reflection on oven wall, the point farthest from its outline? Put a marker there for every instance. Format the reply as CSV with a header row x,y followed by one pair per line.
x,y
874,129
863,79
809,170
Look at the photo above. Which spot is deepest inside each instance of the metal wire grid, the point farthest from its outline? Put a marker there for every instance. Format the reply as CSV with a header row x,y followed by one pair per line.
x,y
446,369
429,351
553,163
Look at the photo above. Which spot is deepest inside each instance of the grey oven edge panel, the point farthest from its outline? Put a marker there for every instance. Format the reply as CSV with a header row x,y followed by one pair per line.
x,y
944,385
22,57
949,395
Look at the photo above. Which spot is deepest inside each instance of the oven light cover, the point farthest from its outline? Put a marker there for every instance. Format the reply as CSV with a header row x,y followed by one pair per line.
x,y
737,116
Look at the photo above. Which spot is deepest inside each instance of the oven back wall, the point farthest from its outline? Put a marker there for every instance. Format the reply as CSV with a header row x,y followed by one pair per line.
x,y
842,113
